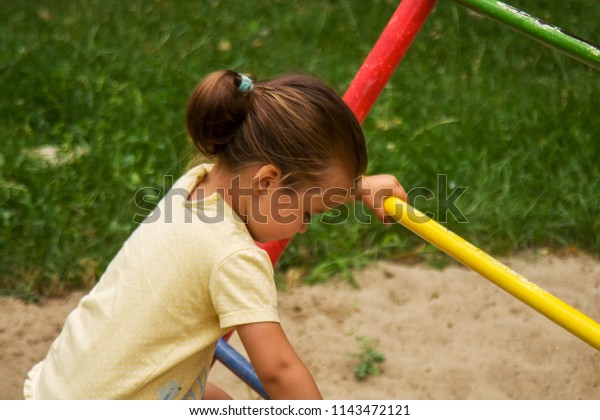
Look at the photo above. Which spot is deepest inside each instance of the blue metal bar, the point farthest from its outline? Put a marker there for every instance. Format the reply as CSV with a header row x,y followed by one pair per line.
x,y
242,368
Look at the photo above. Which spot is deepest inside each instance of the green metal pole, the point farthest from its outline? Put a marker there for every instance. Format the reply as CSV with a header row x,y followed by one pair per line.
x,y
537,29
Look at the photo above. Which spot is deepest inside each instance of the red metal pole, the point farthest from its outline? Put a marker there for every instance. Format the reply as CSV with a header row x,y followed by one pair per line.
x,y
385,56
375,72
275,249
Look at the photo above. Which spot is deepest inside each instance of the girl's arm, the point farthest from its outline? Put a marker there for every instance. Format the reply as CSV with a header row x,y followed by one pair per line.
x,y
279,369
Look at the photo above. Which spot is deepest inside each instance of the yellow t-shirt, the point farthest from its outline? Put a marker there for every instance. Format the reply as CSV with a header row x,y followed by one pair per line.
x,y
187,275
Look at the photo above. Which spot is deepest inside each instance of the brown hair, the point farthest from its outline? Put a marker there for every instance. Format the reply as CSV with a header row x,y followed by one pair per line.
x,y
294,122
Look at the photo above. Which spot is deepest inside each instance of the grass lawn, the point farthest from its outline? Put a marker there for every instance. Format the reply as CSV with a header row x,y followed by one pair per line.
x,y
93,98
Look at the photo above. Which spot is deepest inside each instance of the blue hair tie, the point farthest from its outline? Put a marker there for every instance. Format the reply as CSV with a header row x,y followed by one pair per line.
x,y
246,85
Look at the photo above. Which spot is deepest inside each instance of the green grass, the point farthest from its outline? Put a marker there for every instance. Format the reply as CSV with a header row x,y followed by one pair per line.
x,y
106,83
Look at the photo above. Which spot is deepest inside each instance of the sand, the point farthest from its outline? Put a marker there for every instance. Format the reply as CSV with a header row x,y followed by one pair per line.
x,y
446,334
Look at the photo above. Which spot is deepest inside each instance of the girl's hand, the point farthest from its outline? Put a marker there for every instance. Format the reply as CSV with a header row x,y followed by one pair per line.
x,y
373,190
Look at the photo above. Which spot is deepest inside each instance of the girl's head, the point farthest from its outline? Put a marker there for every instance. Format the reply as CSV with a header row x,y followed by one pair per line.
x,y
296,123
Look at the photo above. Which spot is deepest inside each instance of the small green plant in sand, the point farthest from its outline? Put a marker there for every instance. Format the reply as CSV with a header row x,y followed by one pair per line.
x,y
369,359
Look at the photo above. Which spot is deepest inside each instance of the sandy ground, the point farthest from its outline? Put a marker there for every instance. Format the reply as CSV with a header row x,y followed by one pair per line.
x,y
446,334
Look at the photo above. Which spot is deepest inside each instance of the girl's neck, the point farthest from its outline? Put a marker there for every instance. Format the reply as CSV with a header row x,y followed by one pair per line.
x,y
229,185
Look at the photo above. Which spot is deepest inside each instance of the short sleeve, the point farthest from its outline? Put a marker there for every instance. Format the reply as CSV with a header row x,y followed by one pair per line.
x,y
242,289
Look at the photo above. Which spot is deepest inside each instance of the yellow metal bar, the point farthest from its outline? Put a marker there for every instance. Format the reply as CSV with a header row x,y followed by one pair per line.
x,y
464,252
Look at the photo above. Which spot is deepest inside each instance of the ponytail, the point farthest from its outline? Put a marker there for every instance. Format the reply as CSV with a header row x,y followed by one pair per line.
x,y
216,110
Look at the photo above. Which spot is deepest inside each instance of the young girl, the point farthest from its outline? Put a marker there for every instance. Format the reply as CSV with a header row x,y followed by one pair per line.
x,y
283,149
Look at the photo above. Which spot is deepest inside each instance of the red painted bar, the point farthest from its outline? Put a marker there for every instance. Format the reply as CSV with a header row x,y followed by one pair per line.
x,y
375,72
385,56
275,249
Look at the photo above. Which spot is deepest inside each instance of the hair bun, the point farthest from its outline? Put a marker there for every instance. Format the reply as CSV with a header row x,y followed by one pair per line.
x,y
216,110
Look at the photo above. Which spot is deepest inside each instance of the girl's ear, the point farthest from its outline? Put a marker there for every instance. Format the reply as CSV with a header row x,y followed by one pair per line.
x,y
266,177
